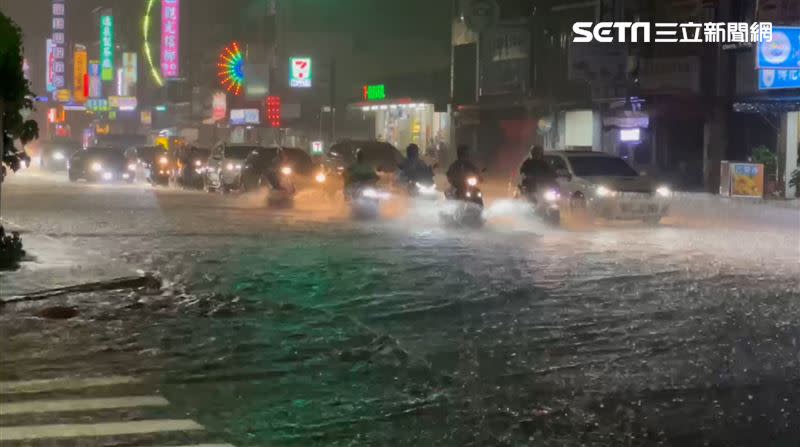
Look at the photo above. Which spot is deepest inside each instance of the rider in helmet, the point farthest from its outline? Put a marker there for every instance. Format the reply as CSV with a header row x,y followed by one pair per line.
x,y
413,168
360,171
461,168
274,168
535,172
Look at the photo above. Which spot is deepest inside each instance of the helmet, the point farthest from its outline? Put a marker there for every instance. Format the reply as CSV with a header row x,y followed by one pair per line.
x,y
462,151
412,151
360,156
537,151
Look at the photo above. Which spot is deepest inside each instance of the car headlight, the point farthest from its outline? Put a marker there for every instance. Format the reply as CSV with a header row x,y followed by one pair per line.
x,y
286,170
126,176
97,167
426,189
230,167
551,195
163,160
369,193
321,177
603,191
58,156
107,176
198,163
132,167
472,181
663,191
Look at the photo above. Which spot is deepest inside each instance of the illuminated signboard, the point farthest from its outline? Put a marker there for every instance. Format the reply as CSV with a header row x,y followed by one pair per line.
x,y
231,68
778,79
274,111
219,106
51,87
170,37
300,73
58,39
783,51
95,84
374,92
80,70
245,116
107,47
130,68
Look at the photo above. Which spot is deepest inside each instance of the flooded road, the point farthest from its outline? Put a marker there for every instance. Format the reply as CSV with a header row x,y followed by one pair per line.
x,y
304,328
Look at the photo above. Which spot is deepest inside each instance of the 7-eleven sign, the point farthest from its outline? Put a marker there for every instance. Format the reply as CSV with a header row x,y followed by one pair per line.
x,y
300,73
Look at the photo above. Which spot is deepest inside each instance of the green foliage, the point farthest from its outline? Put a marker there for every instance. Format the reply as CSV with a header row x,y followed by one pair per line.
x,y
15,96
765,156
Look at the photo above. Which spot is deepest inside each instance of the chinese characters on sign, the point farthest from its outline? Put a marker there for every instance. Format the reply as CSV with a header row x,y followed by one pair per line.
x,y
690,32
80,69
777,79
300,73
56,58
130,76
107,47
170,27
51,87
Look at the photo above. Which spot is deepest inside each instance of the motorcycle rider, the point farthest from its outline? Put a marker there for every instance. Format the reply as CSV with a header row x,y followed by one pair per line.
x,y
461,169
274,168
535,173
413,168
359,172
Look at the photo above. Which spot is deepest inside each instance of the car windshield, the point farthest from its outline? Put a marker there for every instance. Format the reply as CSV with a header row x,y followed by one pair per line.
x,y
109,154
240,152
585,166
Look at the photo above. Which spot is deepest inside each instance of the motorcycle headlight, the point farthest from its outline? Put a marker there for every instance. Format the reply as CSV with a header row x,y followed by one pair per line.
x,y
163,160
58,156
369,193
472,181
603,191
126,176
108,176
97,167
551,195
286,170
132,167
230,167
198,163
321,177
663,191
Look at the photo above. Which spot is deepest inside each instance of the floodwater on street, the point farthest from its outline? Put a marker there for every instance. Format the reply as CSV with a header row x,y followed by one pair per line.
x,y
302,327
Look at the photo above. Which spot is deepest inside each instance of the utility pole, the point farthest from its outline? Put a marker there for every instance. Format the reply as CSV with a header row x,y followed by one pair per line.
x,y
333,100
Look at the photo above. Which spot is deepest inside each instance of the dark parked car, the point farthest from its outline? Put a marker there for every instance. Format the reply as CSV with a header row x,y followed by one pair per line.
x,y
383,156
99,164
301,168
55,154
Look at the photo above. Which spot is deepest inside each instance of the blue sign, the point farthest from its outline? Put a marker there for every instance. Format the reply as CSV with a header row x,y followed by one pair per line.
x,y
778,79
746,170
783,51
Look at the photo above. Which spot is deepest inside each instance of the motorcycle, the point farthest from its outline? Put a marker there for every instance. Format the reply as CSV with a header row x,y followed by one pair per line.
x,y
282,189
191,175
545,201
468,201
365,201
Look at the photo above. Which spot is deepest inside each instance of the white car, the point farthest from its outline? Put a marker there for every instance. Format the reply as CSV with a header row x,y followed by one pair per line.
x,y
224,169
608,187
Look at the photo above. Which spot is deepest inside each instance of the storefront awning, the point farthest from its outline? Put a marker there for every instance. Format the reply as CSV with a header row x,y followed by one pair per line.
x,y
776,104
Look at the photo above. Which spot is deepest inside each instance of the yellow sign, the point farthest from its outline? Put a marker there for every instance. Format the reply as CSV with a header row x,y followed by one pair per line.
x,y
63,95
81,69
102,129
747,180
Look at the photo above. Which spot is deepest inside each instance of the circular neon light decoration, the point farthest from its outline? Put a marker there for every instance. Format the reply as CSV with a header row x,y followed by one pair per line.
x,y
231,68
147,51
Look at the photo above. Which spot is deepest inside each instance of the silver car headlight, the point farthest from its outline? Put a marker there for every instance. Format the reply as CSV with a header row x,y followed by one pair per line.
x,y
551,195
663,191
603,191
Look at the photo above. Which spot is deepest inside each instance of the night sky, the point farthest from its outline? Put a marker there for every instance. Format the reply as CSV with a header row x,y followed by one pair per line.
x,y
371,22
